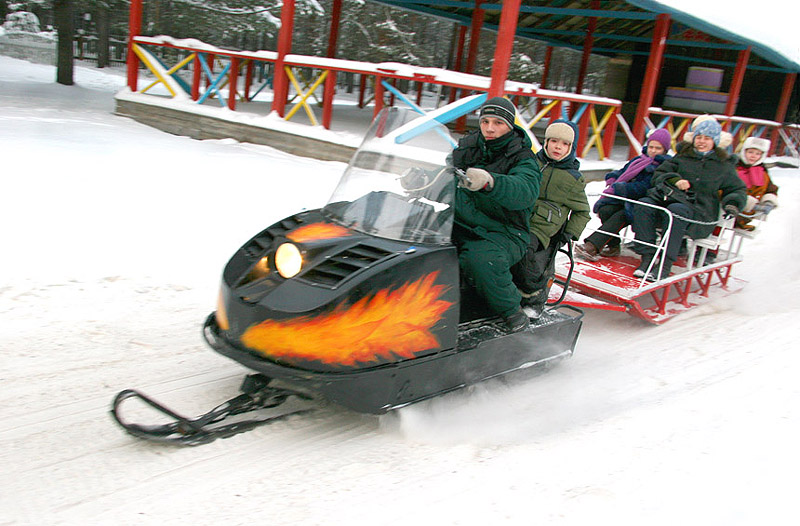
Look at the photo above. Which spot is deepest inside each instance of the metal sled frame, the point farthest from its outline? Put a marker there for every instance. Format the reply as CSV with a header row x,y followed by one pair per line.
x,y
609,284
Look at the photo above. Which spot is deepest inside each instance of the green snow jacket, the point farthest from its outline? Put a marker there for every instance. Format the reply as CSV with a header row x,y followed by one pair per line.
x,y
500,214
713,180
562,196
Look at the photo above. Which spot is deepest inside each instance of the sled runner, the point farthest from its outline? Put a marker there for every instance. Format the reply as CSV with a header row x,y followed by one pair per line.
x,y
703,273
360,302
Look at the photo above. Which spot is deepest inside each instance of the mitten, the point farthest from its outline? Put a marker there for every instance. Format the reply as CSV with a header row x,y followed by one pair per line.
x,y
478,179
764,208
730,211
620,189
565,238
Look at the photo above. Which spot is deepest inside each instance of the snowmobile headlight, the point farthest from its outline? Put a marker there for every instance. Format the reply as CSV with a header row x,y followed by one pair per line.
x,y
288,260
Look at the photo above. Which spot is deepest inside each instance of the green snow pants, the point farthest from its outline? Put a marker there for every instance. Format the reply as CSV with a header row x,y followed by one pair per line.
x,y
486,265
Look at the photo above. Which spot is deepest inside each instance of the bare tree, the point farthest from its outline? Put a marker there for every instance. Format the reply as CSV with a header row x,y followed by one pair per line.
x,y
103,23
66,31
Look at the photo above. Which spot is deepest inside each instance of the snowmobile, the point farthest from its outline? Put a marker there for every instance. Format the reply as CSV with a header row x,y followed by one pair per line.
x,y
360,302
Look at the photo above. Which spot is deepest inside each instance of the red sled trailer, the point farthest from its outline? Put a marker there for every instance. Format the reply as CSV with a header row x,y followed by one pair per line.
x,y
702,274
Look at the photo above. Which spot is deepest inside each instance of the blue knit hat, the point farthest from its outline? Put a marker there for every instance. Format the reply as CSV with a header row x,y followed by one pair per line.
x,y
710,128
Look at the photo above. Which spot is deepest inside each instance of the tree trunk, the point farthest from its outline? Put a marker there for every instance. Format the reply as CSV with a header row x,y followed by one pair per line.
x,y
3,10
102,35
66,31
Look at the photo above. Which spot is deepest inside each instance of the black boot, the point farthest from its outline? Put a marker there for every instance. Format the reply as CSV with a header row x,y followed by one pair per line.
x,y
517,322
655,275
641,270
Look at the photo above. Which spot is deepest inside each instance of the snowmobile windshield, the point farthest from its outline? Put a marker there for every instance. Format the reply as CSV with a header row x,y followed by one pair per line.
x,y
398,185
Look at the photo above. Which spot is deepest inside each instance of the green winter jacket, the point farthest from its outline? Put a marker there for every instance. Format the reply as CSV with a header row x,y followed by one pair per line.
x,y
500,214
562,197
713,181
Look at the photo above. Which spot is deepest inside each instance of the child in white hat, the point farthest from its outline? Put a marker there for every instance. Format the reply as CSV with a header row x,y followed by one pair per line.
x,y
762,193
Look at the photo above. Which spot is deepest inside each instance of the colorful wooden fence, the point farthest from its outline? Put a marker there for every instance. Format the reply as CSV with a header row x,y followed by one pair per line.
x,y
785,138
598,118
214,69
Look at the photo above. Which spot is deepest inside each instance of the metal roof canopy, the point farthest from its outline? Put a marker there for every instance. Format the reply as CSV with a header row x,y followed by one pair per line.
x,y
623,27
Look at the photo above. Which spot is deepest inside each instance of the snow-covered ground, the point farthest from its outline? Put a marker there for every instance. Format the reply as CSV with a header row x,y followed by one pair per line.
x,y
113,238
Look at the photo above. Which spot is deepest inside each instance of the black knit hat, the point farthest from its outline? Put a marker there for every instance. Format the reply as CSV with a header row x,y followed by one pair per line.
x,y
501,108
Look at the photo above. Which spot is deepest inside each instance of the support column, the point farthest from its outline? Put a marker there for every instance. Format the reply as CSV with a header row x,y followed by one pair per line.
x,y
280,82
783,106
548,55
475,35
472,55
736,84
652,73
462,38
505,45
587,48
134,28
330,80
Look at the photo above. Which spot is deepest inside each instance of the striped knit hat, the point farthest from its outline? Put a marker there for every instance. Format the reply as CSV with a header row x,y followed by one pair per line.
x,y
501,108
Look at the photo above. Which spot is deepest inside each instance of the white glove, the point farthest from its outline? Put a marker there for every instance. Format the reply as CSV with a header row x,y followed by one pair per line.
x,y
478,179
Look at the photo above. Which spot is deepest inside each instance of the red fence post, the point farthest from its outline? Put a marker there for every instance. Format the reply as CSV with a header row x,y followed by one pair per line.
x,y
610,133
583,129
233,78
248,79
378,96
362,87
196,76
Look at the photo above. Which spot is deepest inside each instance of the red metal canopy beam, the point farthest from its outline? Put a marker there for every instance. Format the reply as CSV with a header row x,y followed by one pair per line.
x,y
504,46
652,73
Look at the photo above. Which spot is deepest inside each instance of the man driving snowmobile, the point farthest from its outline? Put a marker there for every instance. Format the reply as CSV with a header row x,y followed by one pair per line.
x,y
494,201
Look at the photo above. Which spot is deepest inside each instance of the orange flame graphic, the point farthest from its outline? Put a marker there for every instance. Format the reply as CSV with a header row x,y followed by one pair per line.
x,y
388,324
317,231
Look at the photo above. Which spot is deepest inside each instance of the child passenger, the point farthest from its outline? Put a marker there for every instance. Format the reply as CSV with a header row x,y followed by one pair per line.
x,y
762,194
560,214
631,181
703,168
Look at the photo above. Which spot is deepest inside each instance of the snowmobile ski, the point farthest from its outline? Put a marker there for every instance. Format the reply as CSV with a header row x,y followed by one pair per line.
x,y
256,394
